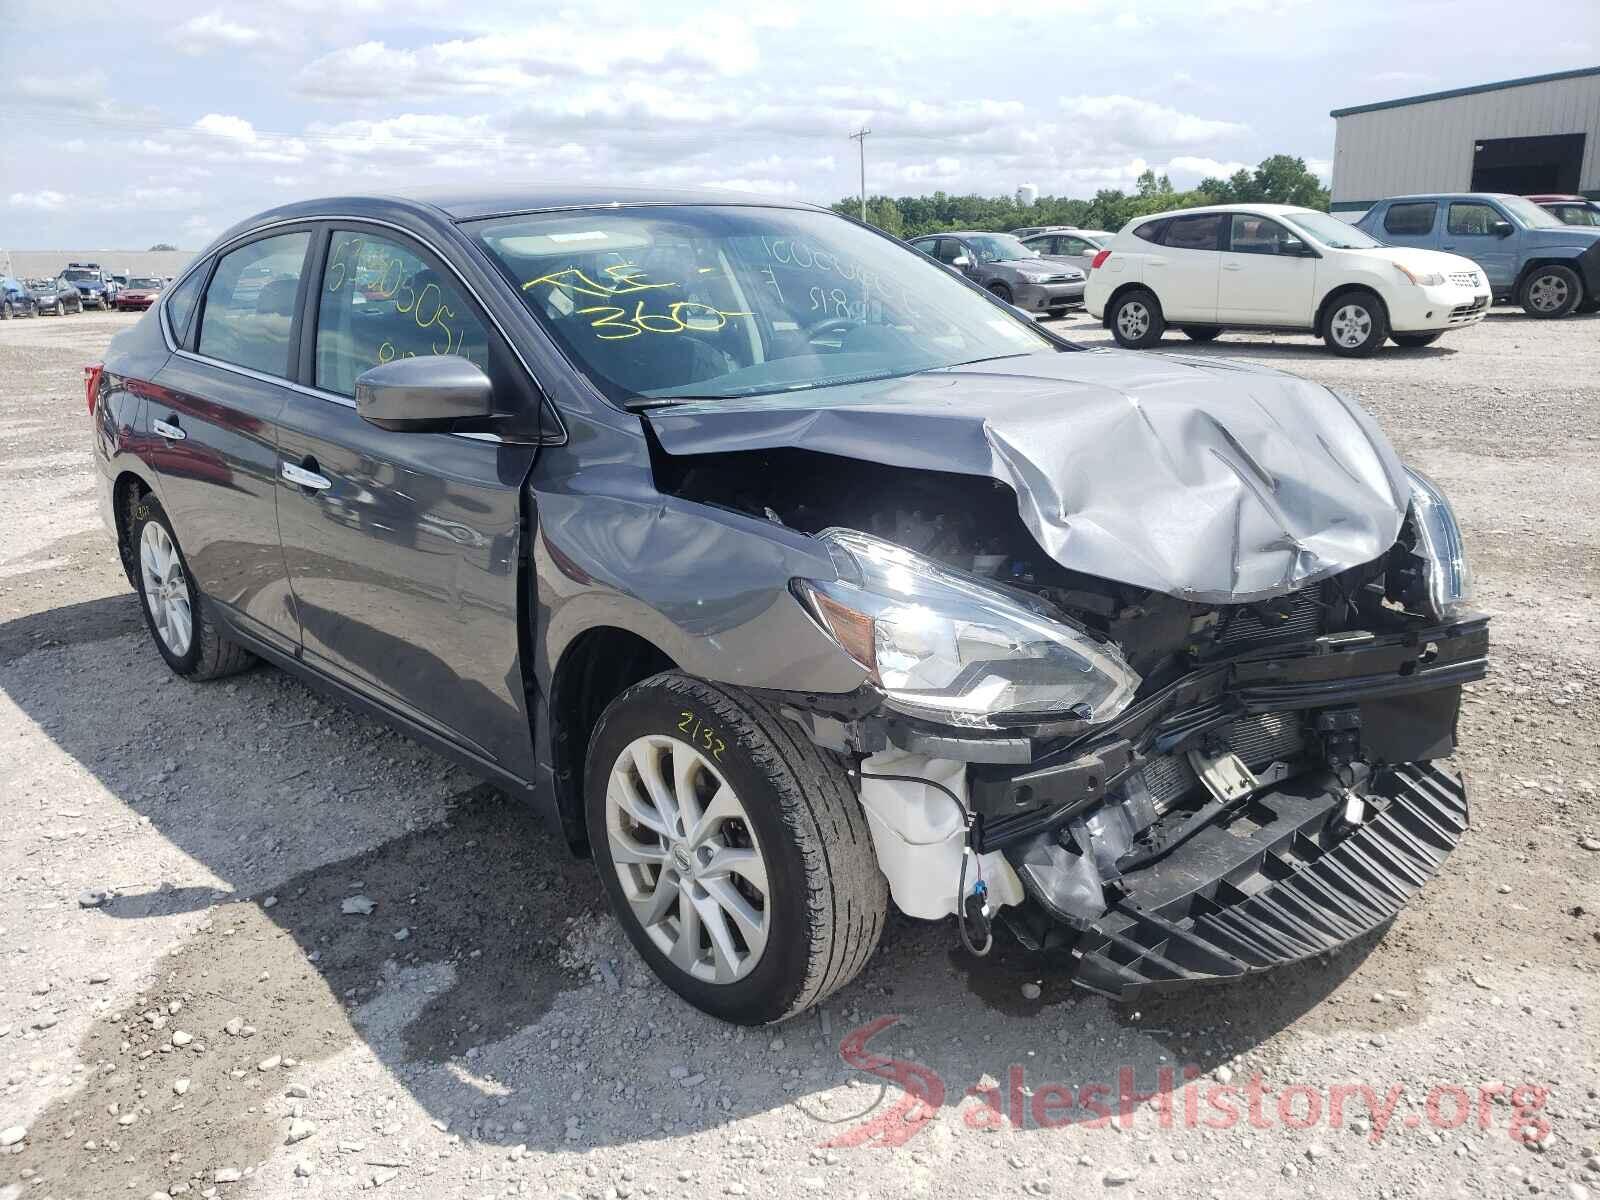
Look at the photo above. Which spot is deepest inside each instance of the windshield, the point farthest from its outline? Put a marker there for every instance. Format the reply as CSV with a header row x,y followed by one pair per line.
x,y
722,301
998,247
1577,214
76,273
143,281
1529,213
1331,232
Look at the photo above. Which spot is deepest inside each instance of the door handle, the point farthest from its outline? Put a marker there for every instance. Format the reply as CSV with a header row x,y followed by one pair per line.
x,y
169,429
303,477
1449,246
1233,266
1155,262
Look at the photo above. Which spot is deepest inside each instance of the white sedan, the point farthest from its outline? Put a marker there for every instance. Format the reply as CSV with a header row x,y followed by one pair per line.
x,y
1281,268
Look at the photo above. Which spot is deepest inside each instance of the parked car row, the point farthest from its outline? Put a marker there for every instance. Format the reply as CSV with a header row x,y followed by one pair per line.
x,y
79,286
1411,269
38,297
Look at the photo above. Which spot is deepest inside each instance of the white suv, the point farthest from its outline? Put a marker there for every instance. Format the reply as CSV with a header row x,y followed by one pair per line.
x,y
1272,266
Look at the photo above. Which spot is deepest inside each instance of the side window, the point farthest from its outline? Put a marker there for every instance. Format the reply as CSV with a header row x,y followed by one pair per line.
x,y
926,246
1412,219
180,303
1150,231
949,249
1194,233
249,309
1256,235
1074,245
381,301
1467,219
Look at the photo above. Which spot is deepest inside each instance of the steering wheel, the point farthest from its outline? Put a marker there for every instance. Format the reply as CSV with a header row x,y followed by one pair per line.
x,y
831,329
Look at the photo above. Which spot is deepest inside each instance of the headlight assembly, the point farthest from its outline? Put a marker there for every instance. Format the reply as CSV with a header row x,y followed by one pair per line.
x,y
1440,548
1427,279
952,647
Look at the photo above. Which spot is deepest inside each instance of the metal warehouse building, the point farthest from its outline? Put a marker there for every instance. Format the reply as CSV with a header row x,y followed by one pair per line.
x,y
1539,134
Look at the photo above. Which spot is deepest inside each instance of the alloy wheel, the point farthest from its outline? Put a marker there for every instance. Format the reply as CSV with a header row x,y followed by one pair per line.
x,y
1351,325
1133,320
1548,293
686,854
166,589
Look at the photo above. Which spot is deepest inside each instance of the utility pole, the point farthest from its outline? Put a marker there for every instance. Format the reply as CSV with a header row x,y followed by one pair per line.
x,y
859,137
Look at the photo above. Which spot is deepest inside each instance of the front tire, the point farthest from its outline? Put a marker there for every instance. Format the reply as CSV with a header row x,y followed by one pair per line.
x,y
1201,333
1136,320
1356,324
732,849
1415,341
1000,291
1550,292
174,608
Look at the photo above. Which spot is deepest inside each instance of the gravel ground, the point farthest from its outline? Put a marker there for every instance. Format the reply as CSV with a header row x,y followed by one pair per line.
x,y
221,1026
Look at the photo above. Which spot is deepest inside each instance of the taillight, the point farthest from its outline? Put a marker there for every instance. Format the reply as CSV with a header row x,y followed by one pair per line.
x,y
91,384
1098,259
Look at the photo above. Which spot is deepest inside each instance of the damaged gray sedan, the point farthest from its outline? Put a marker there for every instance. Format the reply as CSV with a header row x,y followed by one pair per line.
x,y
789,574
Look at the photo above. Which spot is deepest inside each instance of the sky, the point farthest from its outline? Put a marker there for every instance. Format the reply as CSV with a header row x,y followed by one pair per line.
x,y
125,124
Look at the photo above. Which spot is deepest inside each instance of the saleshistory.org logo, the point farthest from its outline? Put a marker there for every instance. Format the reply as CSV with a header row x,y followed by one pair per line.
x,y
1183,1099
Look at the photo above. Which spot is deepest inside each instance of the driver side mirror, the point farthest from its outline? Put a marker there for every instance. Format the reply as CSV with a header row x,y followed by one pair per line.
x,y
418,395
961,260
1502,229
1295,248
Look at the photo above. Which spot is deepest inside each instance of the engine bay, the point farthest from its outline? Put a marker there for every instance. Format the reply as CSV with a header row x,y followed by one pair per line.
x,y
972,524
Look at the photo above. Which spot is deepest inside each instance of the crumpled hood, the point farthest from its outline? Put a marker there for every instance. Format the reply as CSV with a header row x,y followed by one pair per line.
x,y
1210,481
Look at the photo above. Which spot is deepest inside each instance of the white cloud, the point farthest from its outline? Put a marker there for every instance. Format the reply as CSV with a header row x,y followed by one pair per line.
x,y
44,200
1133,123
532,57
211,32
1187,165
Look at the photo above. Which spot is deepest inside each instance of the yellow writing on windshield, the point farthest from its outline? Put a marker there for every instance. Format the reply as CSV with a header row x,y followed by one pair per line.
x,y
625,278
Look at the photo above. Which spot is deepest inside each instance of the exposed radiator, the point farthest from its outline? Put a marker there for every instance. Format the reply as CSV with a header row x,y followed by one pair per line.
x,y
1305,619
1258,740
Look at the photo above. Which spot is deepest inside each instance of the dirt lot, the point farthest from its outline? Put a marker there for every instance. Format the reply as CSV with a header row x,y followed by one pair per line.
x,y
221,1027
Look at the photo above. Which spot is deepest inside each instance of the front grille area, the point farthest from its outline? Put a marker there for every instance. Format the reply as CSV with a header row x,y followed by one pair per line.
x,y
1245,625
1258,740
1464,278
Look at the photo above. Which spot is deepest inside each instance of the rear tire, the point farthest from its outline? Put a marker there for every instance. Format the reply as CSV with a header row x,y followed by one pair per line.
x,y
174,608
1136,320
1415,341
1550,292
1356,323
723,755
1201,333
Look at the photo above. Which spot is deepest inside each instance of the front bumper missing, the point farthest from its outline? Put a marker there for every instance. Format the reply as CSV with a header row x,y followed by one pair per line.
x,y
1244,896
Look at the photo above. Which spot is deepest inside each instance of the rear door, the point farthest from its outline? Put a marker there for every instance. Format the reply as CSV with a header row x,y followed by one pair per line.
x,y
214,409
403,548
1409,223
1469,231
1183,270
1261,282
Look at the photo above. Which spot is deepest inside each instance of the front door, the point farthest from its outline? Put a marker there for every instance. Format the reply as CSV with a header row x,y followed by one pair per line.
x,y
1265,281
403,548
1469,231
213,411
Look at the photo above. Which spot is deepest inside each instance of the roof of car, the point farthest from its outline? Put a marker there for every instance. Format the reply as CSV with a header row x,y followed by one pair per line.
x,y
1451,196
464,205
1557,198
1262,210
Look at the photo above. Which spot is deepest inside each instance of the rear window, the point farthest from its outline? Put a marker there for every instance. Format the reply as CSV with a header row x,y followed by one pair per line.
x,y
1194,233
1150,231
1411,219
